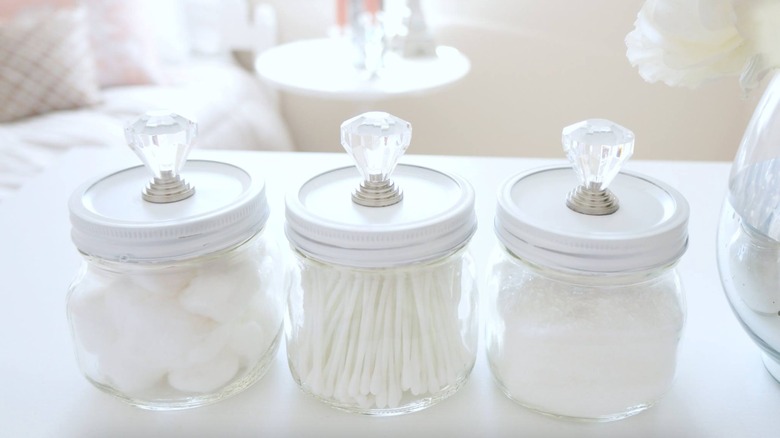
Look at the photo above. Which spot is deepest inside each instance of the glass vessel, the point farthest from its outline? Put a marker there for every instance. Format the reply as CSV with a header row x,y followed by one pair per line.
x,y
585,307
584,345
180,298
382,306
383,341
174,334
748,242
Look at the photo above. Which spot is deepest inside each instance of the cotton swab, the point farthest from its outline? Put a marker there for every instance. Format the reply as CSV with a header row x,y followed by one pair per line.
x,y
376,340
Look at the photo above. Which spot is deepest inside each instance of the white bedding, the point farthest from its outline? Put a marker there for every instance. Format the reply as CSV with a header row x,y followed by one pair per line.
x,y
234,110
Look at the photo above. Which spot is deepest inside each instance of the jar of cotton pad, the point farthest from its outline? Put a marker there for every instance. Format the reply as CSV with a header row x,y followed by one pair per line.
x,y
382,306
586,308
180,300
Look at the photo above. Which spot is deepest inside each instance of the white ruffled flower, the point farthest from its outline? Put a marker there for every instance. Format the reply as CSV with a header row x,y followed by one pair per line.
x,y
690,42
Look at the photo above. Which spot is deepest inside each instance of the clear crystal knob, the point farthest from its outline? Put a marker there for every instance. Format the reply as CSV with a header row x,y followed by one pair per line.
x,y
597,149
162,140
376,140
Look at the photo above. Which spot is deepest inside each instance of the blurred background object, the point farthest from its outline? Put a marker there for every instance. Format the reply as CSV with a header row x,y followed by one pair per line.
x,y
536,66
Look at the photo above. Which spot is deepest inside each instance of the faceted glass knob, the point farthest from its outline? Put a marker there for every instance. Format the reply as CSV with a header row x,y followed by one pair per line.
x,y
597,149
376,140
162,140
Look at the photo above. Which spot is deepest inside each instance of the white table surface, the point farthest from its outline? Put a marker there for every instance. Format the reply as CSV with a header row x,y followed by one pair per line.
x,y
721,389
323,68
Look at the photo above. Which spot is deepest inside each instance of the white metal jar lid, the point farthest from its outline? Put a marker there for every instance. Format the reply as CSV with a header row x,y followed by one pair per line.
x,y
435,218
648,230
110,219
219,206
417,215
537,221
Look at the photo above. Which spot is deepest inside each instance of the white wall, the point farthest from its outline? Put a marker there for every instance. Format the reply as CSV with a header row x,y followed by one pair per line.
x,y
537,66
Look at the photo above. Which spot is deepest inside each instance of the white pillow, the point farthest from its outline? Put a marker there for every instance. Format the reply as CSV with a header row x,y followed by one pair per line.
x,y
46,63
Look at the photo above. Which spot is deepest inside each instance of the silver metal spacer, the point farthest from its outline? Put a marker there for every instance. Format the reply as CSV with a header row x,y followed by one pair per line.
x,y
592,202
165,190
377,194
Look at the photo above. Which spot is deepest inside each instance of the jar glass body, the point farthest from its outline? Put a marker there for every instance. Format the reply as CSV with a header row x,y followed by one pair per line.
x,y
586,346
748,262
178,333
383,341
748,241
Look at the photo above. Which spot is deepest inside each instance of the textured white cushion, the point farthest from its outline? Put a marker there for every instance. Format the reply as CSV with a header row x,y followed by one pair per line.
x,y
233,109
46,63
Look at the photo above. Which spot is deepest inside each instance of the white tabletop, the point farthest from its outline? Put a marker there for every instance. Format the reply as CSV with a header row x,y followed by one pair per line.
x,y
323,68
721,389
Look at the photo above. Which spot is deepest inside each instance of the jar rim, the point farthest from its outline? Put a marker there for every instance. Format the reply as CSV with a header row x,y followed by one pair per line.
x,y
436,217
109,219
648,231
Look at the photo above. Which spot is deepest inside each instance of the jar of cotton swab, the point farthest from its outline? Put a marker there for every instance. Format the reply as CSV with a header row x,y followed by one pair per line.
x,y
179,301
586,308
382,309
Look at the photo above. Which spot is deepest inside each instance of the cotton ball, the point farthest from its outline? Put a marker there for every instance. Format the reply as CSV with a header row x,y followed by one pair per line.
x,y
260,325
164,281
129,373
152,327
93,327
207,376
221,294
267,309
273,267
249,341
211,345
269,266
94,278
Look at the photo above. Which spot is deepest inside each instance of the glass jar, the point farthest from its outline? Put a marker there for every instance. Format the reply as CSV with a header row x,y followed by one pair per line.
x,y
748,261
178,333
748,240
586,345
586,308
383,305
180,300
383,341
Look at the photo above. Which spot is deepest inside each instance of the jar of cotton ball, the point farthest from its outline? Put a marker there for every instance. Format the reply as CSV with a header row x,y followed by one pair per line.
x,y
179,301
382,308
586,307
